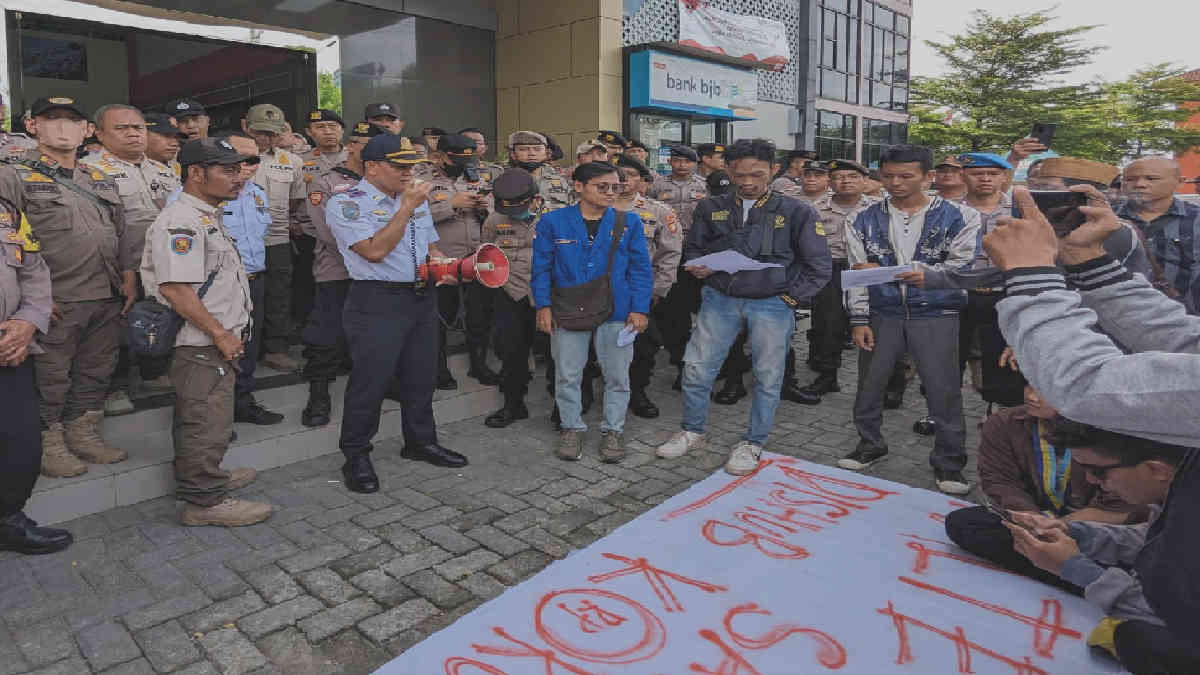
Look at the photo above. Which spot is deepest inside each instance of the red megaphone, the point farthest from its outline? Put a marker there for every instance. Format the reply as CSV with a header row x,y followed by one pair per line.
x,y
488,265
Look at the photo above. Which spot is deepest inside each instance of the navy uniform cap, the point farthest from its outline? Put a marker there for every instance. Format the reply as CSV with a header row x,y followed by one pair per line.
x,y
630,162
459,148
709,149
718,182
184,107
684,152
160,123
210,151
612,138
380,110
814,165
983,160
366,130
844,164
391,148
325,115
46,104
513,191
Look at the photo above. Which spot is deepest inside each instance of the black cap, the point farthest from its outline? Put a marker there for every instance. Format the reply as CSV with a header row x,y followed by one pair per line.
x,y
709,149
630,162
325,115
718,183
210,151
391,148
459,148
638,144
513,191
365,129
184,107
800,154
843,164
160,123
814,165
612,138
46,104
684,152
433,131
381,110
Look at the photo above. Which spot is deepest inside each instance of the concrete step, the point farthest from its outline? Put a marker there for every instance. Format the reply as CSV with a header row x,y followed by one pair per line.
x,y
146,436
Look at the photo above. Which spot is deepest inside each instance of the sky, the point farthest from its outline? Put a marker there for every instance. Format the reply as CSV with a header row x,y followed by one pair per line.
x,y
1137,33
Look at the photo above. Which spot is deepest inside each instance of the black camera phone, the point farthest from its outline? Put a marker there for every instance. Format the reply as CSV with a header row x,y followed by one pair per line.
x,y
1044,133
1061,208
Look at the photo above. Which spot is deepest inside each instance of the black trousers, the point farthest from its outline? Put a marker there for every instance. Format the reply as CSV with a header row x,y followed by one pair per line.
x,y
646,347
1000,385
324,339
515,328
682,301
828,324
980,532
1146,649
477,300
391,331
244,385
20,437
277,318
304,285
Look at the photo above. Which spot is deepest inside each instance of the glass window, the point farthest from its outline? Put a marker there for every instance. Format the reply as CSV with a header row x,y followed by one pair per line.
x,y
899,98
833,85
884,17
902,25
830,24
853,7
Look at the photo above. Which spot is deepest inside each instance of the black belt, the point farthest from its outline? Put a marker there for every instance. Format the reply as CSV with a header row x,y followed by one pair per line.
x,y
253,275
373,283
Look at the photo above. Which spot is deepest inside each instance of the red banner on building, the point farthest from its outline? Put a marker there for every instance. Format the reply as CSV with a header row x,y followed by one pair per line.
x,y
750,38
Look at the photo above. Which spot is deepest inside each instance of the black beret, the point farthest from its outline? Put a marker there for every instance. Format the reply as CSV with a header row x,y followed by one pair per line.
x,y
630,162
684,152
513,190
843,164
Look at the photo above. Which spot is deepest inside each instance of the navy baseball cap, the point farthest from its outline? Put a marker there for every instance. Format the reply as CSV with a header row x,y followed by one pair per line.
x,y
391,148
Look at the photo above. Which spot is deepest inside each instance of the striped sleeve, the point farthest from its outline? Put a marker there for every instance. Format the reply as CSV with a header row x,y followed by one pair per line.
x,y
1033,280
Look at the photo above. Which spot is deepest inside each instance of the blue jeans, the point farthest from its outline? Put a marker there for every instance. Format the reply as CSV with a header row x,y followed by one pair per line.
x,y
570,350
770,323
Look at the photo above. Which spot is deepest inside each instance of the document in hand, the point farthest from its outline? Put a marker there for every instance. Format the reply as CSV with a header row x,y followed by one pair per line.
x,y
626,336
728,261
873,276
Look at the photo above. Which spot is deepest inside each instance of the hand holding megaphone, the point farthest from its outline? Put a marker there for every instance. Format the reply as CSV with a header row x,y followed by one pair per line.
x,y
488,265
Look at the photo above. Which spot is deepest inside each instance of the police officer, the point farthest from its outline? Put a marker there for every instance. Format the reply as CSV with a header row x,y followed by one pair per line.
x,y
386,116
813,183
488,171
712,158
423,171
848,179
512,227
190,117
75,215
681,190
459,204
793,163
527,150
948,179
326,129
192,264
639,151
592,150
664,242
384,230
279,173
162,142
12,143
247,219
614,144
324,340
24,312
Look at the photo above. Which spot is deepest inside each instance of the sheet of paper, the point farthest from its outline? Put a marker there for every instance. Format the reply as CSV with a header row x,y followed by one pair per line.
x,y
729,261
626,336
873,276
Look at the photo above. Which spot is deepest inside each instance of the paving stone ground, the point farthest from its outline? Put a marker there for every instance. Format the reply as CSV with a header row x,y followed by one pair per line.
x,y
337,582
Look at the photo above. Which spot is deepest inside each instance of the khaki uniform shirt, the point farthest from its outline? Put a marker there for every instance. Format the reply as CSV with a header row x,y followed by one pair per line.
x,y
82,239
328,264
186,243
681,196
833,221
664,240
458,229
555,188
314,163
15,145
281,175
515,238
489,172
24,277
143,188
423,171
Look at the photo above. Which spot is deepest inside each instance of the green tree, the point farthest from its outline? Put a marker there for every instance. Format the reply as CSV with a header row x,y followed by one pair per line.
x,y
1003,75
329,94
1139,115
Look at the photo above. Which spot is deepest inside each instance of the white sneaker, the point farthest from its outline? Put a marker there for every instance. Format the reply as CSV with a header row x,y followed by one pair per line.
x,y
679,444
743,459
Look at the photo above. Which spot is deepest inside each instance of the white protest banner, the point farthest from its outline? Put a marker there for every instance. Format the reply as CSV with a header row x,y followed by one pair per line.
x,y
797,568
751,38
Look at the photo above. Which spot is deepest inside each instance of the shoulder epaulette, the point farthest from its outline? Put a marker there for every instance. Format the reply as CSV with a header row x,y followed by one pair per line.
x,y
349,173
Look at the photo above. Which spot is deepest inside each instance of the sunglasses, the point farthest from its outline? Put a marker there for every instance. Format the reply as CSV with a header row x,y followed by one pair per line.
x,y
606,188
252,161
1101,471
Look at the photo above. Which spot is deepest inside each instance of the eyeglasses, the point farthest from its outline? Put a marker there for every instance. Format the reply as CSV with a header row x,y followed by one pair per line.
x,y
606,188
252,161
1101,472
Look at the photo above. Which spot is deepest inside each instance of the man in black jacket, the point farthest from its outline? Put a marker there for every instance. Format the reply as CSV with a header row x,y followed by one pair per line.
x,y
767,227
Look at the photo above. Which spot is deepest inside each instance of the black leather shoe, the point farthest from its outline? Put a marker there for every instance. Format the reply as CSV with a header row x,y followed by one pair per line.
x,y
512,411
678,385
801,395
250,412
826,383
434,454
316,413
19,533
556,419
480,370
641,405
732,392
446,381
586,396
360,475
892,401
925,426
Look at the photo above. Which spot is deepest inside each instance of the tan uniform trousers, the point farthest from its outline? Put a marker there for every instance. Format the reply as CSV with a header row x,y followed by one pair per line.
x,y
203,426
81,355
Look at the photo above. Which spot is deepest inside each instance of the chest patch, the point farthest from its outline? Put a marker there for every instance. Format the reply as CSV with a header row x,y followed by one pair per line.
x,y
181,244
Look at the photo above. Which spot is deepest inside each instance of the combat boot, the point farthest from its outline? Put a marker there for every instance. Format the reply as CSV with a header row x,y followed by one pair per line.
x,y
479,367
641,405
514,409
316,413
85,439
228,513
57,461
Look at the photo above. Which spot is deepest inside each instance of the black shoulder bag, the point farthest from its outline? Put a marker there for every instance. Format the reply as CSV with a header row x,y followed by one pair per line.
x,y
587,305
151,326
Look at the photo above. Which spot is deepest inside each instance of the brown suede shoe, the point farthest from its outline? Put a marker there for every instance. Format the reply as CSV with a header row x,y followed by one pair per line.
x,y
229,513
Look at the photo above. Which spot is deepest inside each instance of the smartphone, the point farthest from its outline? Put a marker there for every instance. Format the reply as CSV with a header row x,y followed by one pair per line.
x,y
1061,208
1003,514
1043,132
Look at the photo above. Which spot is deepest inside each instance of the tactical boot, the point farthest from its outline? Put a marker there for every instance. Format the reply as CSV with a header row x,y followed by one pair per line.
x,y
118,403
641,405
84,436
316,413
612,447
514,409
733,391
57,461
479,367
229,513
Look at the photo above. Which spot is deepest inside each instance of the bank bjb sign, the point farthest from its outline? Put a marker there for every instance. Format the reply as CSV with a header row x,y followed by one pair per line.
x,y
672,82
